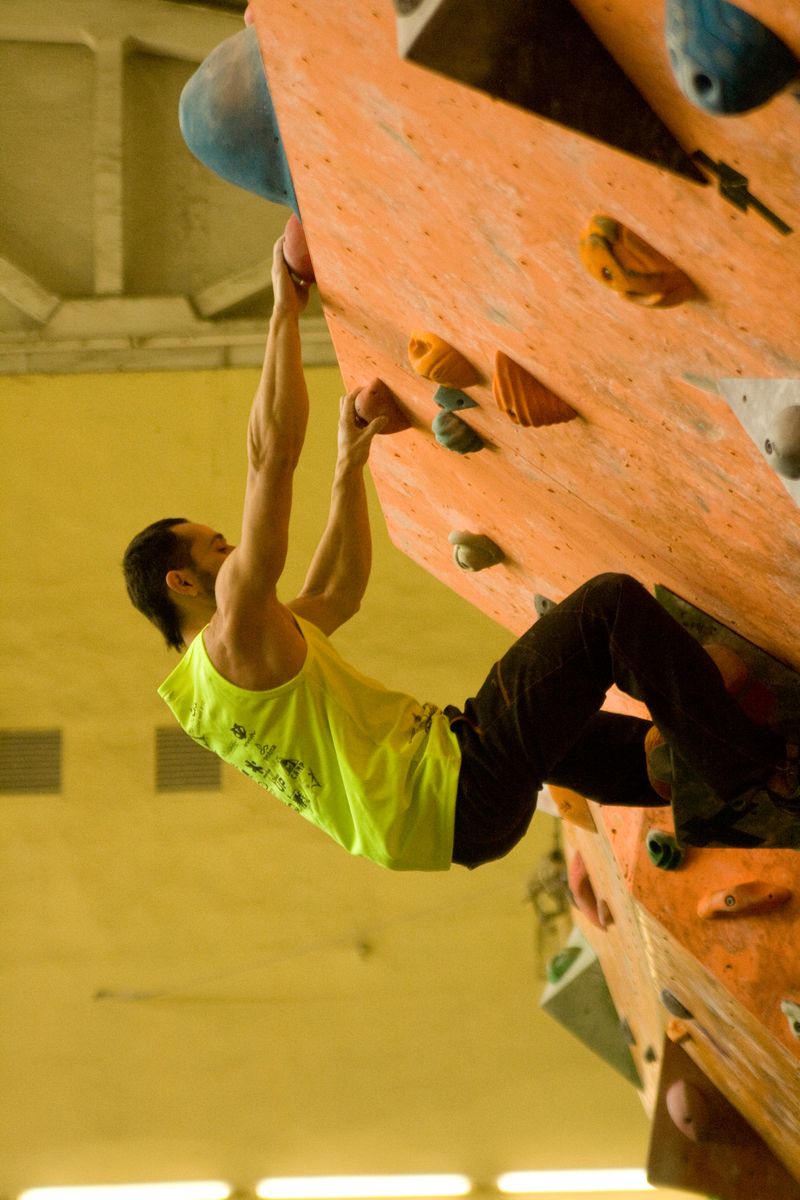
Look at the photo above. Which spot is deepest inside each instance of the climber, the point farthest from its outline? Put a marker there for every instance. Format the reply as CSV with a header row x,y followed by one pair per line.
x,y
411,786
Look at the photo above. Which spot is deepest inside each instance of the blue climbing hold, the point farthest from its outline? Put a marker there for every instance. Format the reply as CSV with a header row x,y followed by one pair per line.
x,y
453,398
724,60
454,434
228,121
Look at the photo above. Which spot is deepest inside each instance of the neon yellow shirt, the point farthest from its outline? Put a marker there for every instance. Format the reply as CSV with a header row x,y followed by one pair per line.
x,y
373,768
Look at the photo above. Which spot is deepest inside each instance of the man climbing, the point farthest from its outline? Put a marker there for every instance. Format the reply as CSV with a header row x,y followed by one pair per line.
x,y
409,785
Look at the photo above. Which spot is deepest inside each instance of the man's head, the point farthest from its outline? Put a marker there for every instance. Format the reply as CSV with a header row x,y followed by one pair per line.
x,y
171,569
149,558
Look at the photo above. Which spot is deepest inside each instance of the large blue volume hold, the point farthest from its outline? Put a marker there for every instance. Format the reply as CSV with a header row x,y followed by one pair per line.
x,y
228,121
724,60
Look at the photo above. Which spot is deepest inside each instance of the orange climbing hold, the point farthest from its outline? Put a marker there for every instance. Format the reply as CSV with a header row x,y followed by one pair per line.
x,y
572,807
659,763
733,670
743,900
434,358
623,261
523,398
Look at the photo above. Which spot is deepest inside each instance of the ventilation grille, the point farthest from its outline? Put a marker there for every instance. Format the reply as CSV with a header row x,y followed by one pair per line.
x,y
30,761
182,765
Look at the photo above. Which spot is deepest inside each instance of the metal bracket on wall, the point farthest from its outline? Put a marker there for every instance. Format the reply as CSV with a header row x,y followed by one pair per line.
x,y
733,186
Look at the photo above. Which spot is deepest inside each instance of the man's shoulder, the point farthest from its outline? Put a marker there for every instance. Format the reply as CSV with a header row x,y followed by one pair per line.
x,y
256,653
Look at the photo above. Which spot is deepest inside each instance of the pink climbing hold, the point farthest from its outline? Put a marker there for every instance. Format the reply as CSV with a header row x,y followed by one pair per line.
x,y
689,1109
377,400
295,252
580,885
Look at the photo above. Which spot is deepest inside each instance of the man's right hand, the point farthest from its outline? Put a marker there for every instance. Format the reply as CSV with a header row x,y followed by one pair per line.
x,y
287,295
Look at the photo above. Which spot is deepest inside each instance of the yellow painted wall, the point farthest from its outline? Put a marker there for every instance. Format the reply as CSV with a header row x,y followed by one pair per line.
x,y
185,985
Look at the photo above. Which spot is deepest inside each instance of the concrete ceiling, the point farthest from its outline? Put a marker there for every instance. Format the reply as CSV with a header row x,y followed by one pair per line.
x,y
118,249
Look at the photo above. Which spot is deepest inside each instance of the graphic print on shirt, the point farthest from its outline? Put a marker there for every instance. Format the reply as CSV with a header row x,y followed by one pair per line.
x,y
423,719
290,779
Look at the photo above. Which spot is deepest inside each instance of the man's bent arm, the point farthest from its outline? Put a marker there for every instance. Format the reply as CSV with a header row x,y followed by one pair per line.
x,y
339,571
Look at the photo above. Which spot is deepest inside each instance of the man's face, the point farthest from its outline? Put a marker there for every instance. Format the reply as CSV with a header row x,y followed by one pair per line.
x,y
209,550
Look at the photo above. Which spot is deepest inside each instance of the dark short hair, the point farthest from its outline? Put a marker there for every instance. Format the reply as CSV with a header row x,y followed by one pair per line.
x,y
150,555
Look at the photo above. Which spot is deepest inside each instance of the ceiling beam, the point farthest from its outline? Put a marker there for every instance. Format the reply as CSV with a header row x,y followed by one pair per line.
x,y
25,293
233,289
109,265
160,334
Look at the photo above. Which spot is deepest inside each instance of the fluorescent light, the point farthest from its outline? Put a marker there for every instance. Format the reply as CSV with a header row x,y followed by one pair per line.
x,y
201,1190
533,1183
341,1187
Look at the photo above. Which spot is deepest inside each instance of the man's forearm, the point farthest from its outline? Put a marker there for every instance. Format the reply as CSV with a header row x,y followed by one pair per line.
x,y
341,565
279,414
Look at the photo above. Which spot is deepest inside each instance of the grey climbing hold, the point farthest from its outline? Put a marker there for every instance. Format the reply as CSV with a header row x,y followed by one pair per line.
x,y
663,851
791,1010
454,434
627,1032
782,444
474,551
674,1006
453,398
543,604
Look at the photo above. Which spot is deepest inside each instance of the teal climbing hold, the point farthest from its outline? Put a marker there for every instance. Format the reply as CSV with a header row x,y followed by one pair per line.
x,y
560,963
451,398
724,60
663,851
454,434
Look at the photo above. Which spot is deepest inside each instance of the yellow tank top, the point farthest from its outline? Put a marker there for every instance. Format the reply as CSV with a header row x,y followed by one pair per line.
x,y
373,768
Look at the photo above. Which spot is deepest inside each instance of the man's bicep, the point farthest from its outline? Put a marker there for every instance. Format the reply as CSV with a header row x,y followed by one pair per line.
x,y
326,612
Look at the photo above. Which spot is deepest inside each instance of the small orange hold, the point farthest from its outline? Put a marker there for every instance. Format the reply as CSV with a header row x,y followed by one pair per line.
x,y
659,763
733,670
619,258
525,400
434,358
743,900
295,252
377,400
572,807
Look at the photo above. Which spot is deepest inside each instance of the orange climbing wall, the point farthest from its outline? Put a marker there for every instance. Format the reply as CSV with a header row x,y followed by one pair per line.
x,y
431,206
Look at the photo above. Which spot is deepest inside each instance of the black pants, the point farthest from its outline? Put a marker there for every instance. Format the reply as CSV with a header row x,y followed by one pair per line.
x,y
537,717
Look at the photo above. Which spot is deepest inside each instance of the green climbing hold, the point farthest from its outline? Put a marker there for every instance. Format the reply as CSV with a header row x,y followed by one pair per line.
x,y
560,963
454,434
663,851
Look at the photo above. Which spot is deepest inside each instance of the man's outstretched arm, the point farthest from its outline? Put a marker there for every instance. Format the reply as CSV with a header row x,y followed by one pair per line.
x,y
339,571
253,639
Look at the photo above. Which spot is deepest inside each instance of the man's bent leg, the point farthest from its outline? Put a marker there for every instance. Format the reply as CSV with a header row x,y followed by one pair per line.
x,y
528,719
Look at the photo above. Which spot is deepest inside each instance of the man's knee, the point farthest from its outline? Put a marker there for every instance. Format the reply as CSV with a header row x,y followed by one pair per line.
x,y
617,589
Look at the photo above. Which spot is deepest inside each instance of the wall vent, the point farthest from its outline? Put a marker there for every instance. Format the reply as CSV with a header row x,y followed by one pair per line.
x,y
30,761
182,765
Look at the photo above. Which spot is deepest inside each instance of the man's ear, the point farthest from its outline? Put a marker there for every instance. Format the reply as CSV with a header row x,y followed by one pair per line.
x,y
182,582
